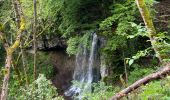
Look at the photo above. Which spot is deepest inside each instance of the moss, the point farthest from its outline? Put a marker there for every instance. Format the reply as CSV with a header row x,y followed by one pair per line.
x,y
149,24
22,24
146,17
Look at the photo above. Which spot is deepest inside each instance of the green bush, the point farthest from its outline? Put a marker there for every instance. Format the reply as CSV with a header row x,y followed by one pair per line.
x,y
72,45
74,42
100,92
40,89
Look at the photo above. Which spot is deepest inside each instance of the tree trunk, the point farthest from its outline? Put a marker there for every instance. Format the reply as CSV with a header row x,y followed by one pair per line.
x,y
143,81
15,67
149,25
10,50
34,39
18,14
24,62
6,78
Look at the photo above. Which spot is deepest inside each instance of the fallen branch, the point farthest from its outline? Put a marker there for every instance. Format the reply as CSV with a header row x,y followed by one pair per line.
x,y
157,75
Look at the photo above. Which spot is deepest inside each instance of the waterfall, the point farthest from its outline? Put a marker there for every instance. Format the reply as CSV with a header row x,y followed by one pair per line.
x,y
83,72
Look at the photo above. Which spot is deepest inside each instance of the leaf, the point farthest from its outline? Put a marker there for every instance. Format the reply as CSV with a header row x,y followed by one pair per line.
x,y
131,36
1,27
131,62
127,61
135,57
133,24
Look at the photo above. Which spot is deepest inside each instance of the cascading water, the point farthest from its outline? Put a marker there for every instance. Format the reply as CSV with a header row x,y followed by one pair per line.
x,y
83,72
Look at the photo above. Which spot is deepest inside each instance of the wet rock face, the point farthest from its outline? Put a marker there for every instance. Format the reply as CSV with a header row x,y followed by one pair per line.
x,y
162,15
51,42
63,70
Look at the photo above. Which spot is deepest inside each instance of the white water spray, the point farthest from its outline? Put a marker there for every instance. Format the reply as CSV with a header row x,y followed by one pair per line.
x,y
83,72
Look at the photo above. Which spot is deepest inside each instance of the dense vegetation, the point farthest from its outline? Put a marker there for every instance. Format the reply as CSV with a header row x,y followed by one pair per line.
x,y
131,49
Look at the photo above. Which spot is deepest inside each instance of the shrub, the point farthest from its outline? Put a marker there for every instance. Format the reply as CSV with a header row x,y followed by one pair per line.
x,y
40,89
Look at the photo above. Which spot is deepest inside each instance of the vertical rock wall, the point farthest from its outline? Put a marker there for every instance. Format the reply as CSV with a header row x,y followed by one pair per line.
x,y
63,69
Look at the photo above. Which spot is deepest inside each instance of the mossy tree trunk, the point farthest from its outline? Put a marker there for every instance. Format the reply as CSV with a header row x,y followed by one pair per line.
x,y
8,64
6,78
147,18
18,14
10,50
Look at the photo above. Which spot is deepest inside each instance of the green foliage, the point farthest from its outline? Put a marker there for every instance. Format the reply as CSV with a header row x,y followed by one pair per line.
x,y
150,5
137,56
100,91
5,10
40,89
157,90
152,90
6,17
79,15
73,45
45,9
84,40
18,89
114,43
44,65
122,14
47,18
75,42
138,30
163,45
68,16
138,72
117,26
1,27
121,33
118,23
